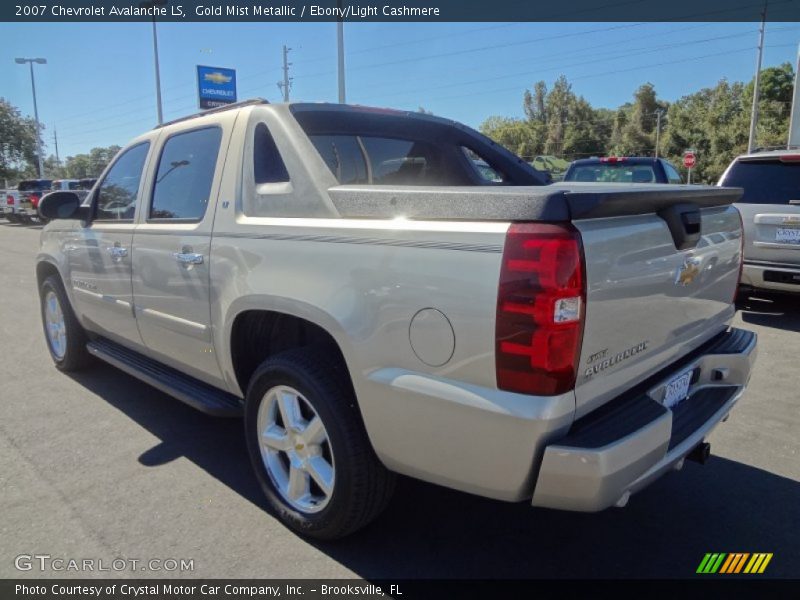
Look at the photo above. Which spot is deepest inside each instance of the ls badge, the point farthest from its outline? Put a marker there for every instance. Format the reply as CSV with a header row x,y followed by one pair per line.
x,y
688,271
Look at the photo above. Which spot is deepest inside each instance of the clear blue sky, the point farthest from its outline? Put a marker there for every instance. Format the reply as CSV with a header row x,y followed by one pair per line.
x,y
97,88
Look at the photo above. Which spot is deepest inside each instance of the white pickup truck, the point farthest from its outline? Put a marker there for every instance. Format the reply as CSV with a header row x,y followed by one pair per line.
x,y
374,300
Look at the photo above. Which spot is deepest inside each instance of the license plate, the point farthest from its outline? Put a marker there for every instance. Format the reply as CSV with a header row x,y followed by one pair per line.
x,y
787,235
677,390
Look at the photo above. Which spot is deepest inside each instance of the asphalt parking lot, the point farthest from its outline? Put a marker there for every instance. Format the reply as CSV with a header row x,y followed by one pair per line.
x,y
99,465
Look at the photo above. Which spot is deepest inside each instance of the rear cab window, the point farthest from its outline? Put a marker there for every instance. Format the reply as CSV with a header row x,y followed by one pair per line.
x,y
35,185
360,159
385,147
613,172
766,181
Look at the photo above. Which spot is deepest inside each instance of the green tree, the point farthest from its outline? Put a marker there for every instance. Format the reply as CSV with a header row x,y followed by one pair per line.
x,y
17,143
518,135
716,121
54,169
92,164
713,121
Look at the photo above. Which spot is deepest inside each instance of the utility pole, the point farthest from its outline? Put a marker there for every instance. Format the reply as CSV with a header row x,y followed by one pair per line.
x,y
751,144
794,120
151,4
340,52
55,142
38,61
659,112
158,74
286,84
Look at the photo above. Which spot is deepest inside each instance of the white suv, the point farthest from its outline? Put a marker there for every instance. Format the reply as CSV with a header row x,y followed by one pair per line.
x,y
770,209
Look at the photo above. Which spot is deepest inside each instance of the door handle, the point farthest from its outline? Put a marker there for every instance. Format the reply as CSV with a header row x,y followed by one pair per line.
x,y
188,258
117,252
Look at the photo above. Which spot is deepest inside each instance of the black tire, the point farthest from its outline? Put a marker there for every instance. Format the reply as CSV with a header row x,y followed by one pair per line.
x,y
362,485
75,356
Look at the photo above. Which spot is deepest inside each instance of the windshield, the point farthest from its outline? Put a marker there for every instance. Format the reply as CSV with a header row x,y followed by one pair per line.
x,y
35,185
613,172
765,181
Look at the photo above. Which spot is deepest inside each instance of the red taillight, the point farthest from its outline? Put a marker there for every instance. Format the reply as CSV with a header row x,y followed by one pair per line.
x,y
540,309
34,200
9,199
612,159
789,158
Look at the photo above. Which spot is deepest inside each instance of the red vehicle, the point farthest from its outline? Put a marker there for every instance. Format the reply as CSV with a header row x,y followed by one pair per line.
x,y
30,192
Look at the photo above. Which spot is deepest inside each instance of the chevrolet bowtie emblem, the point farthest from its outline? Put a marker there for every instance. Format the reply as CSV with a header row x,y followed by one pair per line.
x,y
216,77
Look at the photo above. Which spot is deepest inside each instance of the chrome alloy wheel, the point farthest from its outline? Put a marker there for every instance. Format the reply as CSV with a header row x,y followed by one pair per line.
x,y
55,325
295,449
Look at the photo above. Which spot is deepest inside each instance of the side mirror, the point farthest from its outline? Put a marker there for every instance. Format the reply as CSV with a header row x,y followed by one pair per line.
x,y
62,205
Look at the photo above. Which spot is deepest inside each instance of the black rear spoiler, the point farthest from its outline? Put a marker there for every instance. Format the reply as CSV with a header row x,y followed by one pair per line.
x,y
552,203
598,204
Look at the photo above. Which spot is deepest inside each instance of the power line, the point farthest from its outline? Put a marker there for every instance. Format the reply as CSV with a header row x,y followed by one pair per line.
x,y
534,40
604,73
253,76
428,57
642,50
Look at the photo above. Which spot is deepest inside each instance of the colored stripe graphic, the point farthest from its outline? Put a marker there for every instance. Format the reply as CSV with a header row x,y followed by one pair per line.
x,y
711,562
755,562
703,563
740,563
716,565
727,564
765,563
730,564
734,563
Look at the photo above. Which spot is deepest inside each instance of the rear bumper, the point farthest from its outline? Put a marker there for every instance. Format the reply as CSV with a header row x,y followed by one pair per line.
x,y
768,276
630,442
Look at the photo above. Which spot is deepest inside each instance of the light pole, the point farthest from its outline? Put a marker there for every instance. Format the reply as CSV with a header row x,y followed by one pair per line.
x,y
153,4
340,53
38,61
659,112
751,143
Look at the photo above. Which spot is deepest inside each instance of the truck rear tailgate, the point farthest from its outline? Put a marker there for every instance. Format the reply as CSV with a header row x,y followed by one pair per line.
x,y
661,277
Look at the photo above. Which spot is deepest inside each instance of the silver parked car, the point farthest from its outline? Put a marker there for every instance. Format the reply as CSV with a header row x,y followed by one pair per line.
x,y
770,209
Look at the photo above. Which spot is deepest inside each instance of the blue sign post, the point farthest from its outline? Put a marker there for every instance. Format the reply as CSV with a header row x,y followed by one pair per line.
x,y
215,86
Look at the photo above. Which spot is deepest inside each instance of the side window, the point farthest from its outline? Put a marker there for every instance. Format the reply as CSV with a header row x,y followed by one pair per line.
x,y
268,166
672,175
116,196
185,173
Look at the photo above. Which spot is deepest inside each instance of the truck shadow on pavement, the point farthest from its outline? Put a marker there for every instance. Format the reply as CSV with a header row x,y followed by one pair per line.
x,y
776,311
433,532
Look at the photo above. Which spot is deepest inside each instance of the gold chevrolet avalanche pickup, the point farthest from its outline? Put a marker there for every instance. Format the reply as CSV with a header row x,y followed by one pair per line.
x,y
380,292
